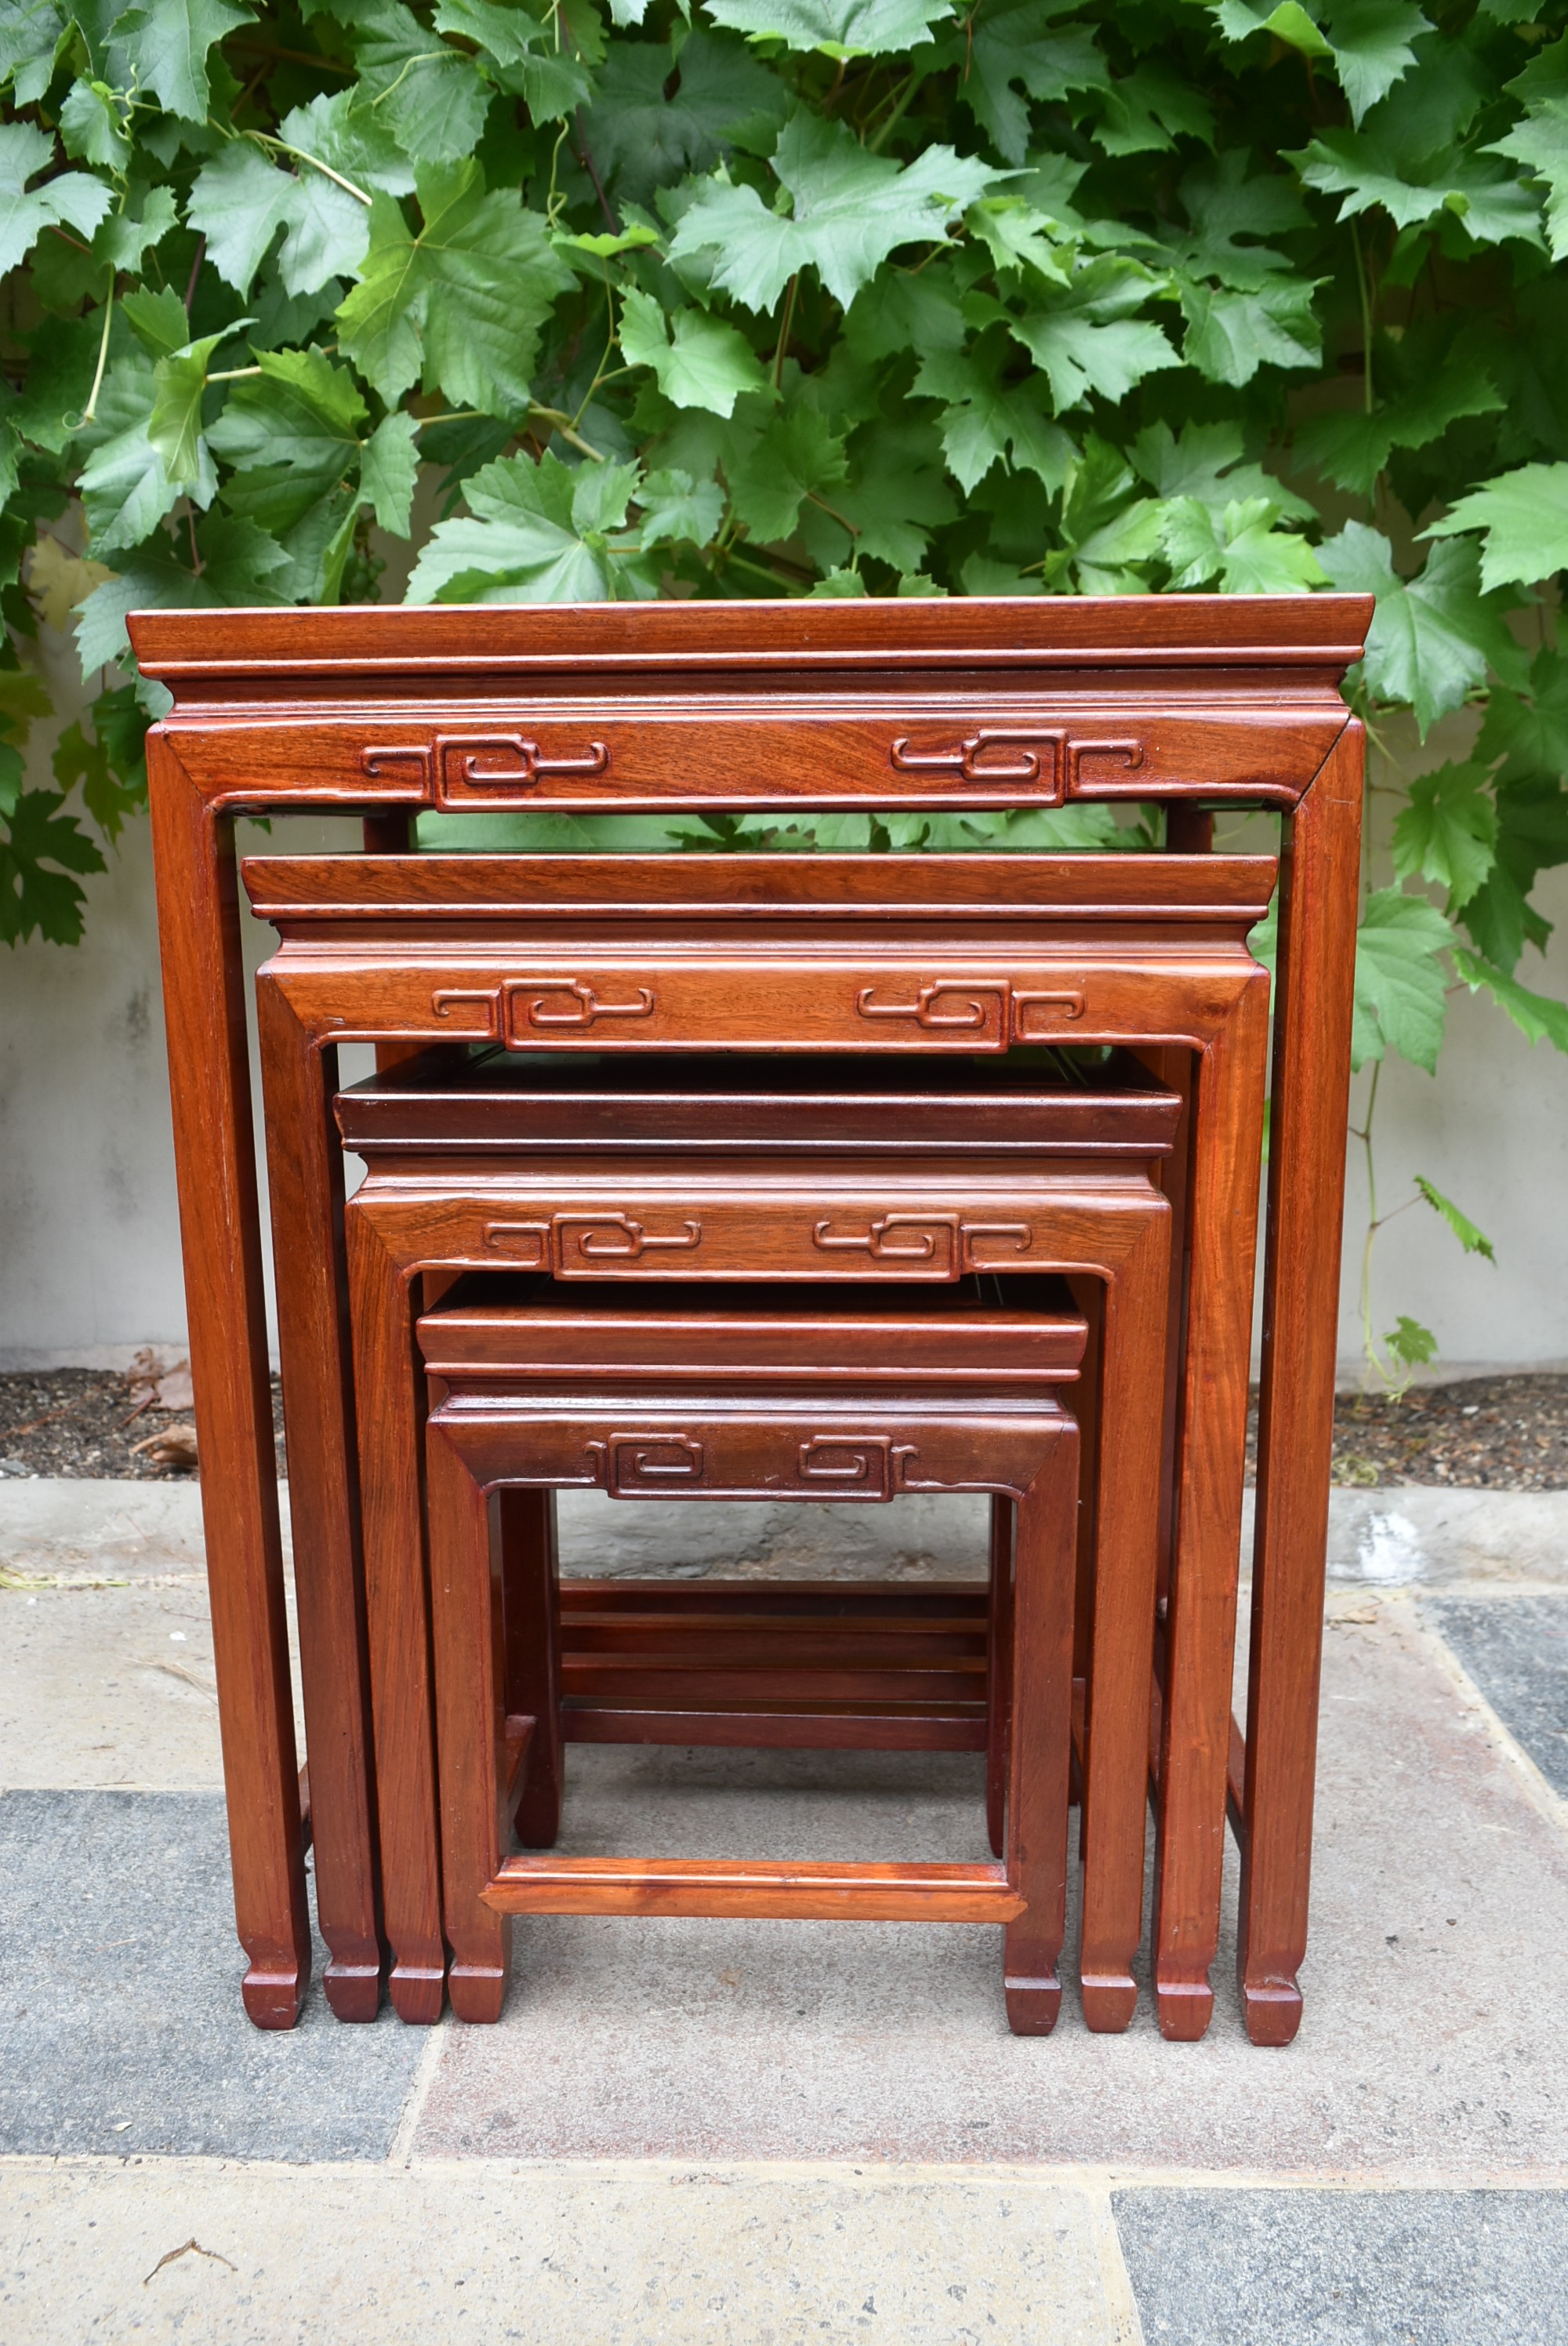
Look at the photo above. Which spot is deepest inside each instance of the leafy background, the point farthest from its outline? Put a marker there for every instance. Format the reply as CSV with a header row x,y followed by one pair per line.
x,y
512,302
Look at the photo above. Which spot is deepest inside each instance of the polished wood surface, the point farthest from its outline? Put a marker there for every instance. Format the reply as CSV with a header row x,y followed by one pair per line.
x,y
1228,700
1098,1215
489,1428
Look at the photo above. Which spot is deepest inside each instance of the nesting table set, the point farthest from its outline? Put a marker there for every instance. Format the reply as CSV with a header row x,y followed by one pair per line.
x,y
816,1178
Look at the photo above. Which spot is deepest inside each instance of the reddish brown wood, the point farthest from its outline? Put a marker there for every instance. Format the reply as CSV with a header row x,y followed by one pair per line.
x,y
209,1088
494,1426
753,1888
305,1181
1311,1089
1200,700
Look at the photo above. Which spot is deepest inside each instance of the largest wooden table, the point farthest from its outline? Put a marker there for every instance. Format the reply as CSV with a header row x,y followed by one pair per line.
x,y
1199,702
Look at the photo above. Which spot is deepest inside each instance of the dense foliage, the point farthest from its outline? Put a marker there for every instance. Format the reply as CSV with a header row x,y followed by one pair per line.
x,y
777,297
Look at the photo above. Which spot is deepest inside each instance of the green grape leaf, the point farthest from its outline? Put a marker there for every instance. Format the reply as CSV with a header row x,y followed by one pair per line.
x,y
1015,44
92,129
1205,461
1541,141
1085,338
1371,44
167,42
125,490
174,427
1538,1016
676,509
643,138
1531,837
432,96
389,467
1231,334
535,534
1448,830
1432,639
239,200
893,497
352,138
852,209
239,565
1019,238
1150,110
107,799
1287,22
41,847
1524,514
1351,449
984,422
159,320
31,32
1366,169
1224,204
1410,1345
838,28
1401,999
699,362
75,197
1239,547
461,300
1472,1241
1530,729
797,456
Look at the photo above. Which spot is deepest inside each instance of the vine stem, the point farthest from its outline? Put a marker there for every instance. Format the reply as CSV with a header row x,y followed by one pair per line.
x,y
1364,290
784,323
1364,1134
91,407
567,430
304,155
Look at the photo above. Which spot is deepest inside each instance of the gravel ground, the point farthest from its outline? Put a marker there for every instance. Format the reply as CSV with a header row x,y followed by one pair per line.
x,y
80,1421
1500,1434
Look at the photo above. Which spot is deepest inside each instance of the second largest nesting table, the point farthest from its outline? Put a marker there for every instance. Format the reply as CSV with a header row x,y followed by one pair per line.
x,y
1194,702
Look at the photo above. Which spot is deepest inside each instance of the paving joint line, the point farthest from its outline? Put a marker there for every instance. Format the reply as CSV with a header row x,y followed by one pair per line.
x,y
1542,1795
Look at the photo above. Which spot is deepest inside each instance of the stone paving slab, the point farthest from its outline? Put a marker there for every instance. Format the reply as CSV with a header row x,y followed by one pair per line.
x,y
1434,2041
642,2256
121,2027
1346,2269
1516,1651
109,1688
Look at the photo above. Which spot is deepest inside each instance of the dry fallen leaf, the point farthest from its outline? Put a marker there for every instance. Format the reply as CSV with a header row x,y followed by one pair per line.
x,y
191,2247
174,1447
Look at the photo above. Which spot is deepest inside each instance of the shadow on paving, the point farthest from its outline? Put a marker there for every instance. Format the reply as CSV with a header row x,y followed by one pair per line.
x,y
121,2028
1516,1650
1346,2269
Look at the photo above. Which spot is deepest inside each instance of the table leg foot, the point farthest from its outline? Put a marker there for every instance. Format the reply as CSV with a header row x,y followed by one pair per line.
x,y
1186,2007
354,1991
1033,2006
477,1991
1109,2001
417,1996
272,1998
1272,2010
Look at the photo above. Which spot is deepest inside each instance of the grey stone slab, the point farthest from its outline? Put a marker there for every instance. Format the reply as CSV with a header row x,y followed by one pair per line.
x,y
1434,2039
1347,2268
108,1687
643,2256
1516,1650
121,2027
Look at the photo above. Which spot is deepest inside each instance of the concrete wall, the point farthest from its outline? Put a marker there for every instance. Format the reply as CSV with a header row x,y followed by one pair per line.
x,y
89,1258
